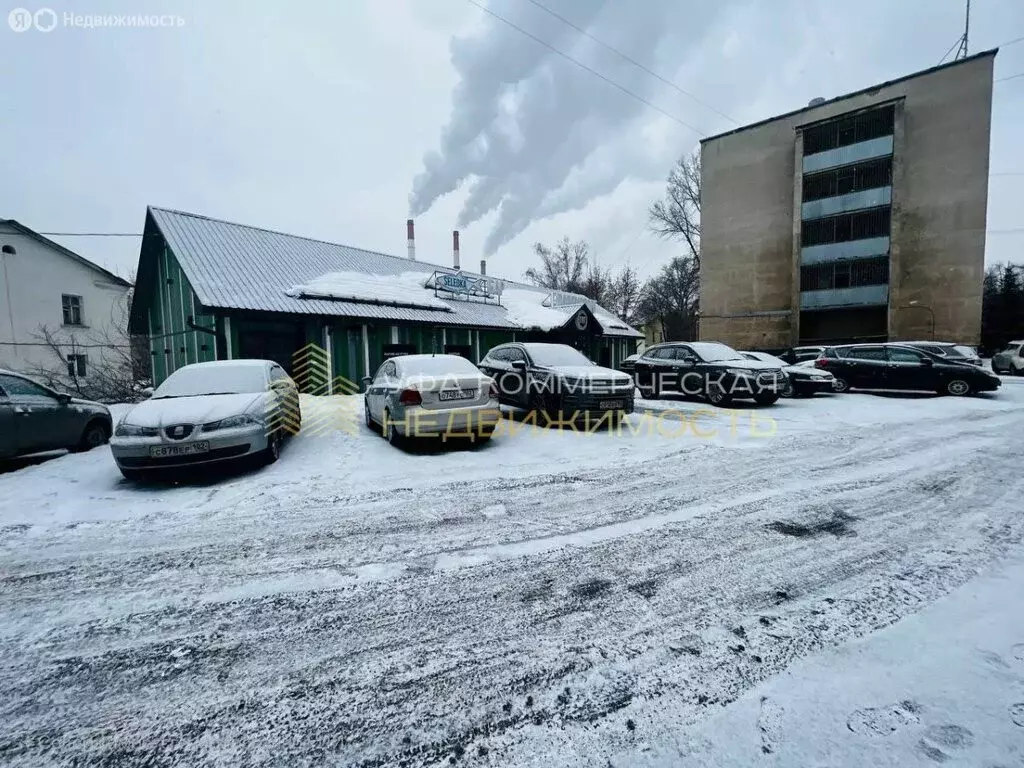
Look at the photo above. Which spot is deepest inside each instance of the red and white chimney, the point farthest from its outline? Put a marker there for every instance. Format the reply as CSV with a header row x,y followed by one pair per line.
x,y
455,248
410,233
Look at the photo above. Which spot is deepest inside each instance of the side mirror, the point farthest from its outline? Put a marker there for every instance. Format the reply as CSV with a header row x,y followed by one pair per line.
x,y
367,381
63,398
519,365
927,362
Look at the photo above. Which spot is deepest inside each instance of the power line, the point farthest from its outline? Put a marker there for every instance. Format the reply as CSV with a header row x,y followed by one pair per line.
x,y
581,65
631,60
1011,42
92,234
1010,77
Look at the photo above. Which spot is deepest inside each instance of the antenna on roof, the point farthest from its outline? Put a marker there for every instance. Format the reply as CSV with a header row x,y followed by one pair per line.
x,y
961,52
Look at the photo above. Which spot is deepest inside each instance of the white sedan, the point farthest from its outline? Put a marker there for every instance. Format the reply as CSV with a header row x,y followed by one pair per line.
x,y
431,396
207,413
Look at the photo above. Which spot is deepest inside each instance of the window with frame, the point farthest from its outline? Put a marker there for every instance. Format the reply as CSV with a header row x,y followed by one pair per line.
x,y
77,366
873,222
71,305
843,131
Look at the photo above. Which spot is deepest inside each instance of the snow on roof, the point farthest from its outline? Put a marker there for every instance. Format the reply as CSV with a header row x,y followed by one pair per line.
x,y
405,290
526,308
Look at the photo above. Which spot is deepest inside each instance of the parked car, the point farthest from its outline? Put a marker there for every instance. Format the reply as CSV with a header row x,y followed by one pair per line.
x,y
711,370
627,365
555,378
1010,360
959,353
902,367
795,355
208,413
431,396
801,380
35,418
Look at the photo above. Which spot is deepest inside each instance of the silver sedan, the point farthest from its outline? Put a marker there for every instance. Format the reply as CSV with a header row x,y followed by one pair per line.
x,y
207,413
431,396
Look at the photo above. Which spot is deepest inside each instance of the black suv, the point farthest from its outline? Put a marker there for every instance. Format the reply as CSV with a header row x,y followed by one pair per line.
x,y
902,367
555,378
707,369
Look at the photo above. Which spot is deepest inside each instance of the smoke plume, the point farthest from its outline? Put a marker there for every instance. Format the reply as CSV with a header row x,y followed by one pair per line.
x,y
532,134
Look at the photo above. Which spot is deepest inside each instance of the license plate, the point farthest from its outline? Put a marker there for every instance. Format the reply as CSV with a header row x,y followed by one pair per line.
x,y
458,394
189,449
610,404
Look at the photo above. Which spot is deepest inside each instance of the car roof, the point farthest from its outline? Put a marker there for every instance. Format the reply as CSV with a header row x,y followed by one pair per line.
x,y
242,363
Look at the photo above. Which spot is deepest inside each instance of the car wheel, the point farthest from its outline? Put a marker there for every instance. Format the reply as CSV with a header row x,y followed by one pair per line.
x,y
958,387
370,423
717,396
766,399
391,431
95,434
840,385
273,450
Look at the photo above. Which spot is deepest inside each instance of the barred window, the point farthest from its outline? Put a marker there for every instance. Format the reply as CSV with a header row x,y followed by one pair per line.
x,y
873,222
849,130
851,178
845,274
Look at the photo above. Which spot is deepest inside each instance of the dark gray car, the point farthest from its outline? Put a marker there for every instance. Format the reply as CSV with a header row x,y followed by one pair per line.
x,y
34,418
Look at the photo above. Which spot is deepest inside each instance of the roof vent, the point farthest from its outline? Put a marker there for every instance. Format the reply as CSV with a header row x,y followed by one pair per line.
x,y
817,100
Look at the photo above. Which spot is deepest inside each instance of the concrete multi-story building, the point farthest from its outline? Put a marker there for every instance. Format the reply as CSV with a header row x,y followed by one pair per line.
x,y
857,218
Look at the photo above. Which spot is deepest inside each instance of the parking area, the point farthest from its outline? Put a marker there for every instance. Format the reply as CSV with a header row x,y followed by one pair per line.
x,y
549,597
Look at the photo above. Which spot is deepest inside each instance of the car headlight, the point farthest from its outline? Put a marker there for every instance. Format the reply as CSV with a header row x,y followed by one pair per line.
x,y
132,430
743,372
232,422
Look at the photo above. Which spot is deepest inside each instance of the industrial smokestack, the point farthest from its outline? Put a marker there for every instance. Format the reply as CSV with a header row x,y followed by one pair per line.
x,y
483,266
410,233
455,248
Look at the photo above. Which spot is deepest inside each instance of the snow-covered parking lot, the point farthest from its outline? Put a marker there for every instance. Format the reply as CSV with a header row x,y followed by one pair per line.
x,y
548,599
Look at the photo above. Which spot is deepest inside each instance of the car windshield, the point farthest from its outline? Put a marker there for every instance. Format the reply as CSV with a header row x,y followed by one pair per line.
x,y
197,380
764,357
439,365
555,354
960,350
713,352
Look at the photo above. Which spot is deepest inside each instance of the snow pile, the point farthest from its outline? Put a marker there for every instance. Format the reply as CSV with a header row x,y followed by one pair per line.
x,y
526,308
406,289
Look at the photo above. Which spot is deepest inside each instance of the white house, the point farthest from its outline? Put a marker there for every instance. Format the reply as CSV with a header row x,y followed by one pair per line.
x,y
62,317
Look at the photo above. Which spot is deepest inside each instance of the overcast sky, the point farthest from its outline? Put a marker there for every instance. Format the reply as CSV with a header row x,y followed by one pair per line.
x,y
317,118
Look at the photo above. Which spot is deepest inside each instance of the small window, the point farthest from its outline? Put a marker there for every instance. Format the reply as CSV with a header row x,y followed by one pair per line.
x,y
72,309
277,373
903,355
77,366
512,354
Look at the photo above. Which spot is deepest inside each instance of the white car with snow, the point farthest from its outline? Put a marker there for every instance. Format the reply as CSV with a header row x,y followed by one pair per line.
x,y
208,413
427,396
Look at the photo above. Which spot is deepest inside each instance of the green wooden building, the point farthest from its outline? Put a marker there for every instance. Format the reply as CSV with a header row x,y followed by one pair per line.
x,y
213,290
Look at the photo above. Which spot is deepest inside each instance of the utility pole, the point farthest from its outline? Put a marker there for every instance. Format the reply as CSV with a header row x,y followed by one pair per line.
x,y
961,52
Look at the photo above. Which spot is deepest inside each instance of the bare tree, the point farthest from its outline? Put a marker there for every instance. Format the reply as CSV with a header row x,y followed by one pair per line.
x,y
678,215
116,364
623,294
672,298
563,267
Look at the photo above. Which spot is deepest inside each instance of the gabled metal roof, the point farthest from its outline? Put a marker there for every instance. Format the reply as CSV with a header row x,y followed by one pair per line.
x,y
233,266
16,226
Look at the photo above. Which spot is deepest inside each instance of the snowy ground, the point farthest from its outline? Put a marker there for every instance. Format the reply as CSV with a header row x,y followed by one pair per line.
x,y
548,599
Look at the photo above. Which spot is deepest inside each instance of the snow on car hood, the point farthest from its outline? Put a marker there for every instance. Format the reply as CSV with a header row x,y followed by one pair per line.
x,y
587,372
808,370
201,409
